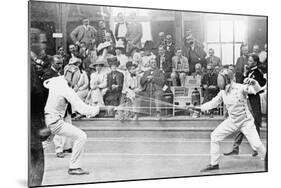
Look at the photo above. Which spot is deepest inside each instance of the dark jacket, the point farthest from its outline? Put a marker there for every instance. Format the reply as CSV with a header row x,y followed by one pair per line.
x,y
215,61
101,35
157,82
254,100
170,50
117,29
196,55
167,64
113,96
240,63
50,73
209,80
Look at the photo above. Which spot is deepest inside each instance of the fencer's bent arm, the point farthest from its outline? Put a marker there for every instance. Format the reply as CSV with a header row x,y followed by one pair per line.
x,y
217,100
253,88
79,105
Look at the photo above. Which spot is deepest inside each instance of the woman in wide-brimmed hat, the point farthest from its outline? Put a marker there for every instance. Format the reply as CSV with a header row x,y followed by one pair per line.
x,y
102,50
147,55
98,83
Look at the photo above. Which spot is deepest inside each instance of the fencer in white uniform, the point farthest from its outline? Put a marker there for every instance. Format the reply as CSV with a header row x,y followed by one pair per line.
x,y
60,95
234,96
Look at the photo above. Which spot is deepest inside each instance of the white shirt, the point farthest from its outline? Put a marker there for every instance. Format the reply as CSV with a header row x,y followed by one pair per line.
x,y
60,94
122,30
123,59
235,99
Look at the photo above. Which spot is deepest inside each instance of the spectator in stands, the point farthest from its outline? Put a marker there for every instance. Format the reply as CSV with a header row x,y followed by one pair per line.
x,y
242,61
82,86
147,55
121,28
170,47
120,54
161,39
210,87
195,54
102,52
238,76
164,63
98,83
180,68
152,83
55,69
74,61
101,33
134,33
217,69
256,50
115,81
263,59
198,71
111,48
214,60
62,54
254,99
84,33
131,88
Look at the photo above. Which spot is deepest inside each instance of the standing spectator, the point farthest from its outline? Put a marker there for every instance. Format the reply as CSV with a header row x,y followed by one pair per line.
x,y
101,33
161,39
210,86
115,81
164,63
256,50
170,47
134,33
263,59
121,28
180,68
254,99
152,83
195,54
147,55
120,54
212,59
84,33
238,76
242,61
98,83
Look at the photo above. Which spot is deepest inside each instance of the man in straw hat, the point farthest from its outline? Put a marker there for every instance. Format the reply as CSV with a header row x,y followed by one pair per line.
x,y
98,83
234,96
60,95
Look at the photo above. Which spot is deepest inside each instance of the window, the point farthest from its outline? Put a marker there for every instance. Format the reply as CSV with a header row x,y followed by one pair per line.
x,y
225,36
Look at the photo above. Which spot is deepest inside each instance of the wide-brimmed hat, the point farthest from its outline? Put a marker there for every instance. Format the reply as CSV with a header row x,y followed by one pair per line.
x,y
103,45
74,60
131,64
119,44
113,61
97,62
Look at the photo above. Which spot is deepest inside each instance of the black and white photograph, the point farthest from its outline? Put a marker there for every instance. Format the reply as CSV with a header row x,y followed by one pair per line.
x,y
119,93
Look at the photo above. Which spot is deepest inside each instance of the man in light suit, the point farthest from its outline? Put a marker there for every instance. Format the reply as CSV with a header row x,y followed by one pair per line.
x,y
134,33
121,28
84,33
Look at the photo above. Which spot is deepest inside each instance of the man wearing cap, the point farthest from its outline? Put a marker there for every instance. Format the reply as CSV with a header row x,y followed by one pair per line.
x,y
234,96
60,95
84,33
98,83
115,81
134,33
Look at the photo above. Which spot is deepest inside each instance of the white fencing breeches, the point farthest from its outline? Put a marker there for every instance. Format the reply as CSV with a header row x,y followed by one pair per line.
x,y
226,128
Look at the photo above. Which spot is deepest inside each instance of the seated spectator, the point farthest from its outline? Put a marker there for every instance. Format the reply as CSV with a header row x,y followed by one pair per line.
x,y
217,69
62,54
238,76
102,51
210,87
111,48
55,69
72,52
74,61
147,55
212,59
198,71
120,54
161,39
98,83
152,83
131,87
115,81
82,87
180,68
164,63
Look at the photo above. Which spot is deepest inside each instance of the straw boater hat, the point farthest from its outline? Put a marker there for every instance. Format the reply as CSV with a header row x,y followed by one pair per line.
x,y
113,61
99,61
119,44
103,45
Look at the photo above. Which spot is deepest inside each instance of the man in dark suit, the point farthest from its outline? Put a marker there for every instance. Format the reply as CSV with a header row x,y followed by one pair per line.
x,y
164,62
152,83
254,100
121,28
115,81
214,60
134,33
84,33
242,61
55,68
170,47
101,32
